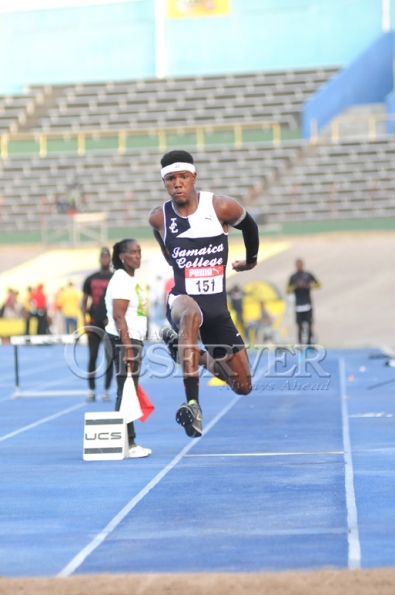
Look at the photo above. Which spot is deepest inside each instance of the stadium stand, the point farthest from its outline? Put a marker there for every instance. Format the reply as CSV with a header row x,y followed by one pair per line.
x,y
348,178
185,101
15,109
352,178
125,186
361,121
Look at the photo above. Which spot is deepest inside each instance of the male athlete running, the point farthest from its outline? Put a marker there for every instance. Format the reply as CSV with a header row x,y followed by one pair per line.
x,y
192,231
300,283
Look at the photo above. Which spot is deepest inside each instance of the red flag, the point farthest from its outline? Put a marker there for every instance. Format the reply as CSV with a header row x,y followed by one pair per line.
x,y
130,404
146,406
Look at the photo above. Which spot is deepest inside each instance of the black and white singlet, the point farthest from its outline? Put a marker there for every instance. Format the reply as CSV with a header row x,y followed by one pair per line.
x,y
198,248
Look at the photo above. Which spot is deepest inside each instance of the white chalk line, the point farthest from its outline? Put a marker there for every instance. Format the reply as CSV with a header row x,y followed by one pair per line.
x,y
100,537
267,454
41,421
354,547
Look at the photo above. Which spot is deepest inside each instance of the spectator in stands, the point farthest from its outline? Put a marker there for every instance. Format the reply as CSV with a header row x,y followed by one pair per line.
x,y
95,319
61,204
236,296
69,302
74,197
300,284
39,303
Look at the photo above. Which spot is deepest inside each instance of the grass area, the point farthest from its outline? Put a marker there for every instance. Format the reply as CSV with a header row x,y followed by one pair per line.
x,y
95,144
178,140
140,141
281,229
16,147
58,145
35,237
143,141
308,227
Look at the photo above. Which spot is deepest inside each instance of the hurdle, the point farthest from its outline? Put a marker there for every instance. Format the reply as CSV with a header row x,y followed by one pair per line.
x,y
31,340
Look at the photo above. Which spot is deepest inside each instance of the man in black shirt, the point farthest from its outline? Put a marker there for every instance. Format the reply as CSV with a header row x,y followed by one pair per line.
x,y
300,283
94,289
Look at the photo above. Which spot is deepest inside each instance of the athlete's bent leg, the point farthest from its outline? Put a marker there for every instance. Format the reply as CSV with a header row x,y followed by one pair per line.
x,y
234,369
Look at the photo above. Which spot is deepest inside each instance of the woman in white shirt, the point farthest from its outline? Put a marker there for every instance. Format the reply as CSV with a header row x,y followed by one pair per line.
x,y
127,323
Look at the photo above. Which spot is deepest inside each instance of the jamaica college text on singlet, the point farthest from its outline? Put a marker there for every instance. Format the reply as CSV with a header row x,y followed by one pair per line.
x,y
198,248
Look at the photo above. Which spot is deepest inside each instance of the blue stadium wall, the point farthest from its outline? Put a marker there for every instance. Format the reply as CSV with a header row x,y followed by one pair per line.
x,y
117,41
368,79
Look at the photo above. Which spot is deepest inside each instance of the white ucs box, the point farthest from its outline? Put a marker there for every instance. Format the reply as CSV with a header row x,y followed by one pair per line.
x,y
105,437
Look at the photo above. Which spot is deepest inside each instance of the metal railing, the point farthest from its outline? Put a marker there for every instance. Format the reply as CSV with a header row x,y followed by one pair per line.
x,y
122,135
368,126
335,199
73,228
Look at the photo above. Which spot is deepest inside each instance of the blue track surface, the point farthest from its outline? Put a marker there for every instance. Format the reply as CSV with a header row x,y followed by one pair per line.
x,y
300,474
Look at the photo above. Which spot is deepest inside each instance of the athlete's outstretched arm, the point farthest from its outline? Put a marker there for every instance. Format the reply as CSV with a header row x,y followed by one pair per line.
x,y
157,223
230,212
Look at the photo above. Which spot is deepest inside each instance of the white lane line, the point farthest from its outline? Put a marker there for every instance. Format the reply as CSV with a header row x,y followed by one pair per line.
x,y
269,454
41,421
354,547
386,449
381,414
100,537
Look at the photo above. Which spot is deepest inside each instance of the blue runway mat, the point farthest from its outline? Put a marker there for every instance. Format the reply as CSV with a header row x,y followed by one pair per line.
x,y
300,474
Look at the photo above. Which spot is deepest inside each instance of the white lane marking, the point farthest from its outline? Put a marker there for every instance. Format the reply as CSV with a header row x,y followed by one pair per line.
x,y
385,449
100,537
41,421
268,454
354,547
381,414
206,532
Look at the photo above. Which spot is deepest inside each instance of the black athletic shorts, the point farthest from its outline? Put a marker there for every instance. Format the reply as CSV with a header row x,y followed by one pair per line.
x,y
218,333
304,316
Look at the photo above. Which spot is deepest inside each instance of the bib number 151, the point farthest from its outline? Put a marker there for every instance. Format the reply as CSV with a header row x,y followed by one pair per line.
x,y
204,280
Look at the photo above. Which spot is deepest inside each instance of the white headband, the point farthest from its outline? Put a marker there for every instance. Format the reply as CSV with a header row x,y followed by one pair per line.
x,y
179,166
